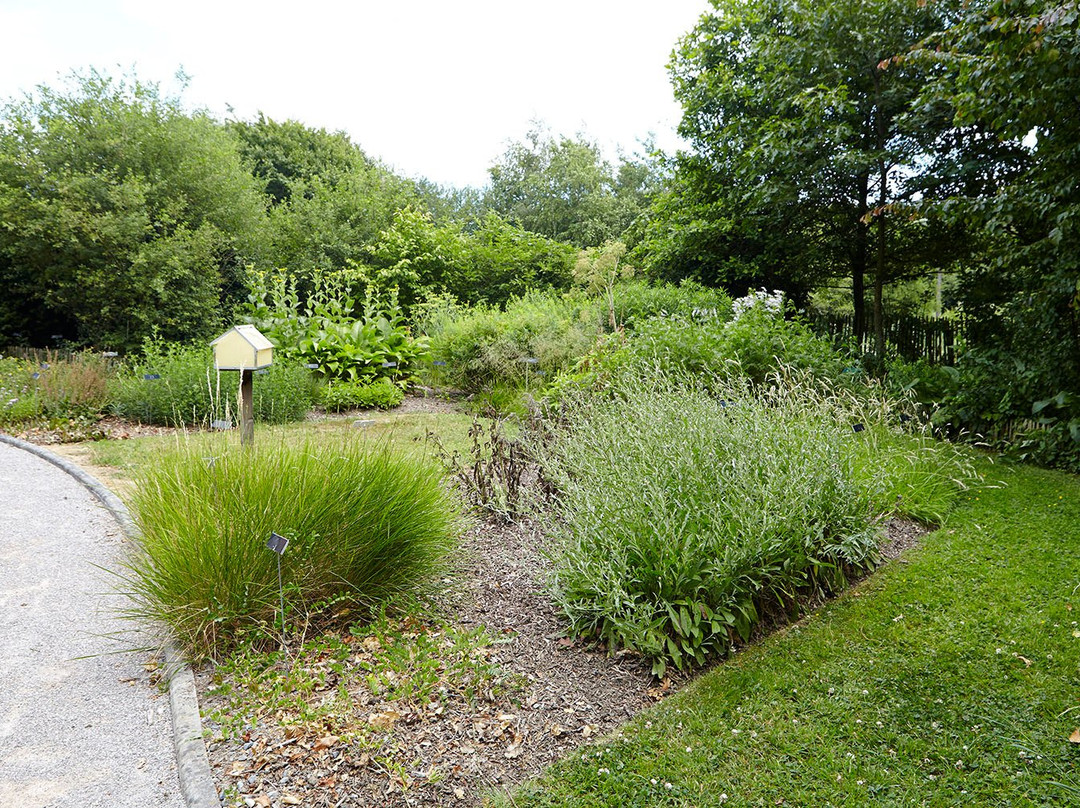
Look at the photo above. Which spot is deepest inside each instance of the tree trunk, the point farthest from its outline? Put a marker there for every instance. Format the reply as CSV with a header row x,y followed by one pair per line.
x,y
879,273
859,262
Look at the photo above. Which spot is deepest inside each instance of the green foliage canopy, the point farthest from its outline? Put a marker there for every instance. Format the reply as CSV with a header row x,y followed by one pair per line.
x,y
120,214
803,166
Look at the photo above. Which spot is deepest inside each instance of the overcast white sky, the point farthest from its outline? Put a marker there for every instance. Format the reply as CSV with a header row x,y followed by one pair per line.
x,y
435,89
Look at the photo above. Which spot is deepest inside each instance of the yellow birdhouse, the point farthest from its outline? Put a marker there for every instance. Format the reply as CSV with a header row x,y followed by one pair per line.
x,y
242,347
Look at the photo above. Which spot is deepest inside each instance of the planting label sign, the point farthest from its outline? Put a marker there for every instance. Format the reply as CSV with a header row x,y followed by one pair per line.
x,y
277,543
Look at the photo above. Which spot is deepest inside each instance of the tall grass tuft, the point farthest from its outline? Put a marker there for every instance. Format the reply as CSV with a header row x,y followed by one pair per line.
x,y
364,524
684,513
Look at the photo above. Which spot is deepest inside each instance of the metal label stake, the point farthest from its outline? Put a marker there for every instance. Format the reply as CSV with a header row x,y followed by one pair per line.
x,y
278,544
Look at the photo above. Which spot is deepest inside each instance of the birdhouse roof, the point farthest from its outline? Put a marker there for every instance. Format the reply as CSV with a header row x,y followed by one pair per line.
x,y
250,334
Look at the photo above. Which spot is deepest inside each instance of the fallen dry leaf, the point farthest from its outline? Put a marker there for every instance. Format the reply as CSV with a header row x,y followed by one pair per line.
x,y
291,799
371,644
1075,737
459,793
236,769
262,801
384,720
325,742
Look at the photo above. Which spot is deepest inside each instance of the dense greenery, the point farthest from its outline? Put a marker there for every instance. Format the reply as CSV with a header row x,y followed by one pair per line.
x,y
1013,69
327,333
364,523
176,384
949,678
686,514
121,213
359,394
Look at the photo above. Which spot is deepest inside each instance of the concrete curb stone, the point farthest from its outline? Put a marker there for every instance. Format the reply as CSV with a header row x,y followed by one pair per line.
x,y
193,764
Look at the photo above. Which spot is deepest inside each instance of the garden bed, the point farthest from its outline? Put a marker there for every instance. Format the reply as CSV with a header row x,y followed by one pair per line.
x,y
557,696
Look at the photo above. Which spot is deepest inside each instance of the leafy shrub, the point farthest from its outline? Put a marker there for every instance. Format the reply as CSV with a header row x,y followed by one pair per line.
x,y
382,394
536,336
683,514
364,524
281,395
324,330
637,302
752,346
169,383
175,384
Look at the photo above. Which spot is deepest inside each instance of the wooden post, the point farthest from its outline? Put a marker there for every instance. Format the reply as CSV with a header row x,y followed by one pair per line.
x,y
247,409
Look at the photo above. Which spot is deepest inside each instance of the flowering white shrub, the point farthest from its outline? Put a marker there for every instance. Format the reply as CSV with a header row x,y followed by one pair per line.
x,y
770,302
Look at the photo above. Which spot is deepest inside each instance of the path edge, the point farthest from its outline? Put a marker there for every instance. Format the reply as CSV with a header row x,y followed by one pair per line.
x,y
193,764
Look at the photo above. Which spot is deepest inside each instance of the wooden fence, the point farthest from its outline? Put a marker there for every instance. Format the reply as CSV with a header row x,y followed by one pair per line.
x,y
913,337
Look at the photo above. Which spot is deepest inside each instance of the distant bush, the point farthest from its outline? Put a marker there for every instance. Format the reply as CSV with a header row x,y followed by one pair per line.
x,y
755,342
639,301
381,395
526,344
175,384
363,523
685,513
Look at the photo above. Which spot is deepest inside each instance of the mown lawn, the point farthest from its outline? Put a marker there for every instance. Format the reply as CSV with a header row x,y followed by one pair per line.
x,y
952,677
115,461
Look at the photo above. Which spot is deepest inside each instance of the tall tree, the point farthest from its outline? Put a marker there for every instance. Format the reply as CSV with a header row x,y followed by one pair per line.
x,y
327,199
804,164
564,189
1011,68
120,213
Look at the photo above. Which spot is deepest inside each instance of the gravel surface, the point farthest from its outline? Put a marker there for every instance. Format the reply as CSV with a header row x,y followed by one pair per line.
x,y
80,722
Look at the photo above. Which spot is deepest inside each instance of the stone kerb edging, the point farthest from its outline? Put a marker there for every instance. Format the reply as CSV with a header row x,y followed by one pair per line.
x,y
193,765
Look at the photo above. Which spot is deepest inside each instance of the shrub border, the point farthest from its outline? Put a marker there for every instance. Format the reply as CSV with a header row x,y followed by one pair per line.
x,y
193,764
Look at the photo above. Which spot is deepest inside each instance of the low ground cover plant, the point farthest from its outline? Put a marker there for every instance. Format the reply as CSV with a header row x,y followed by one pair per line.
x,y
53,387
685,511
344,395
364,523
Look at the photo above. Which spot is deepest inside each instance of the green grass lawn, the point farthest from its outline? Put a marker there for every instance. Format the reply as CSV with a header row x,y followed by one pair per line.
x,y
402,430
951,677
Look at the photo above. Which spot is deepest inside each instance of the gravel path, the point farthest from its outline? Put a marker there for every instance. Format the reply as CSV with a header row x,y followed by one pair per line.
x,y
80,722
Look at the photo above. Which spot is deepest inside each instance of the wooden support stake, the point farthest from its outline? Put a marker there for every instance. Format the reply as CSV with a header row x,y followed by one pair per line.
x,y
247,409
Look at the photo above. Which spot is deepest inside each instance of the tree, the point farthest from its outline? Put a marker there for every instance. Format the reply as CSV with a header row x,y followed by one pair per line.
x,y
120,214
563,188
804,164
327,200
1011,68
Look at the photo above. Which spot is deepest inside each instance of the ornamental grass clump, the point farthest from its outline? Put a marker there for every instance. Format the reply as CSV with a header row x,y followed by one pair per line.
x,y
686,514
364,524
